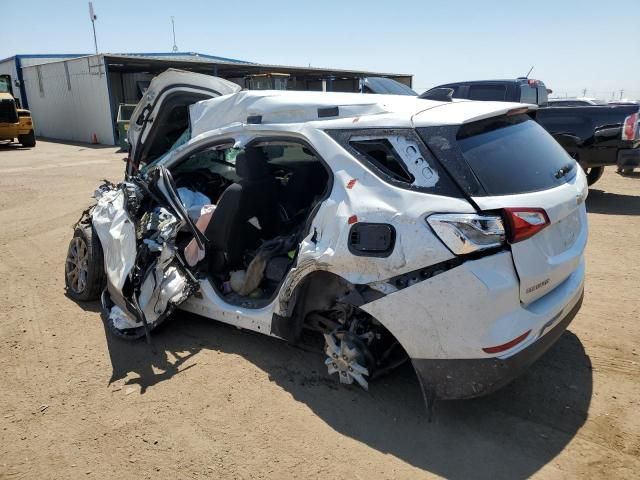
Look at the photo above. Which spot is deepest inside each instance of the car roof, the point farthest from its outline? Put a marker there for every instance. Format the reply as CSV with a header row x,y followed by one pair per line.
x,y
517,81
325,110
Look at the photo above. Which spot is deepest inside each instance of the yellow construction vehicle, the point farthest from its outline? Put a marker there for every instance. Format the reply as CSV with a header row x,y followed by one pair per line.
x,y
15,123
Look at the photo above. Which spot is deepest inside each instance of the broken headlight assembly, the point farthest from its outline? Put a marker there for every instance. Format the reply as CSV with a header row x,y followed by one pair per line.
x,y
465,233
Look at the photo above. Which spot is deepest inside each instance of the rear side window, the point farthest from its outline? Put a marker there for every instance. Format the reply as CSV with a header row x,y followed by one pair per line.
x,y
399,157
381,153
511,155
488,92
457,92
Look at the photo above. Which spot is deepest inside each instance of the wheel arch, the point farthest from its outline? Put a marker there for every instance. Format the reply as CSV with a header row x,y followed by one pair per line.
x,y
318,290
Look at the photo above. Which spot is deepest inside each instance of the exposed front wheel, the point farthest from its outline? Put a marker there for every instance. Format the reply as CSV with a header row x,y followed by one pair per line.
x,y
28,140
84,268
593,174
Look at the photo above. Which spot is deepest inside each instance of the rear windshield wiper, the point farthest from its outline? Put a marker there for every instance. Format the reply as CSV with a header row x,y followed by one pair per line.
x,y
564,170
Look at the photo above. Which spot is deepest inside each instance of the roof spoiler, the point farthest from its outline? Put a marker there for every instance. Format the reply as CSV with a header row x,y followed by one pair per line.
x,y
440,94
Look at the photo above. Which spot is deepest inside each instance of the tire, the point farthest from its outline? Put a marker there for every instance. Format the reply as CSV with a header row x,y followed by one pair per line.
x,y
594,174
28,140
84,274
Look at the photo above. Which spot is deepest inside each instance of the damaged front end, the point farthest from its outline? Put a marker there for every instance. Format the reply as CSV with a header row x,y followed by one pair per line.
x,y
139,224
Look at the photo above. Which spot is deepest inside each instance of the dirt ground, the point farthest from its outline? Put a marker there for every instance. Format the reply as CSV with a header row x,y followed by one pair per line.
x,y
217,402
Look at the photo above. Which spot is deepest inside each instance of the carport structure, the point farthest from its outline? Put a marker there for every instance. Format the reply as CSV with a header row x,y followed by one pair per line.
x,y
87,91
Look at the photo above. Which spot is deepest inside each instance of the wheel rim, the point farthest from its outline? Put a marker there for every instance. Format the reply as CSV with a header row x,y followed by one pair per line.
x,y
77,265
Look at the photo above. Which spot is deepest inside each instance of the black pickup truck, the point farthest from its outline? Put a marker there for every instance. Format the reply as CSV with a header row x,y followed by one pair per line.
x,y
596,136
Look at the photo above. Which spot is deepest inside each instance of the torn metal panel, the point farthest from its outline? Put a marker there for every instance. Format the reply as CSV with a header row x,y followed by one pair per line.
x,y
145,260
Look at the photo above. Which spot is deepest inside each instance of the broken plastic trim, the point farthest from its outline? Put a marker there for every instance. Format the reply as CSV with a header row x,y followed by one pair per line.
x,y
408,279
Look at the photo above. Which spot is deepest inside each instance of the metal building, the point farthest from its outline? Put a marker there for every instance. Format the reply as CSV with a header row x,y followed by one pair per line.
x,y
12,66
76,98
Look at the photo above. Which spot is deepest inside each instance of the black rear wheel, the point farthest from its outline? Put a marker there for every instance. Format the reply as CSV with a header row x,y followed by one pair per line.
x,y
594,174
28,140
84,267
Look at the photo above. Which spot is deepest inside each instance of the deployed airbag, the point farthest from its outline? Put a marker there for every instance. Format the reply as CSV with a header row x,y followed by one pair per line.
x,y
146,278
117,236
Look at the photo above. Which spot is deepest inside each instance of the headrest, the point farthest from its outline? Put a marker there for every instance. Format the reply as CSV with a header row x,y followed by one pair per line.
x,y
251,164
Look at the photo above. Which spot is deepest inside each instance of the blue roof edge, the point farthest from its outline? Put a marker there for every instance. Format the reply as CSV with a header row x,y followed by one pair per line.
x,y
155,54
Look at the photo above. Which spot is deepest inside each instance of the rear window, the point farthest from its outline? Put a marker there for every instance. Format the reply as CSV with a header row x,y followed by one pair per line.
x,y
496,93
8,113
511,155
529,94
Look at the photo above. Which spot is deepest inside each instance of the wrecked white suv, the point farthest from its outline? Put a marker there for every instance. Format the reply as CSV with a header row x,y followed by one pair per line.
x,y
446,233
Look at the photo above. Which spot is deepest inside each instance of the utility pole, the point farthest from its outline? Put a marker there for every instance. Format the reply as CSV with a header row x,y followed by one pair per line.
x,y
173,29
584,92
621,93
93,18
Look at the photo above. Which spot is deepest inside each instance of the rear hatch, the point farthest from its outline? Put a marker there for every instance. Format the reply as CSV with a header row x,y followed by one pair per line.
x,y
515,164
162,113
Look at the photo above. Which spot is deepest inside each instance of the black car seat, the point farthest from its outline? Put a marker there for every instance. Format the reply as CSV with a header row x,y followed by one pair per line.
x,y
255,195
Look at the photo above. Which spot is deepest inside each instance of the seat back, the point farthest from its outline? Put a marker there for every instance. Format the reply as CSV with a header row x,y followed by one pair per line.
x,y
254,196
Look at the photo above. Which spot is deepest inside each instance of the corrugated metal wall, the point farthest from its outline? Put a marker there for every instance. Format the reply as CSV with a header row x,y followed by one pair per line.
x,y
9,67
27,61
69,100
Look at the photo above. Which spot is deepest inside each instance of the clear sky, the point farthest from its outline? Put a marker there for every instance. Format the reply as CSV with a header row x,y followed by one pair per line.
x,y
573,44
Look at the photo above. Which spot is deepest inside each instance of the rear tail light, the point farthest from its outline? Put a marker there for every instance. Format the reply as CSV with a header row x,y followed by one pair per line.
x,y
630,127
465,233
523,223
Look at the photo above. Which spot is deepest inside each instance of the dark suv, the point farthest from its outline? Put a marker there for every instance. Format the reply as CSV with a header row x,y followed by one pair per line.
x,y
596,136
520,90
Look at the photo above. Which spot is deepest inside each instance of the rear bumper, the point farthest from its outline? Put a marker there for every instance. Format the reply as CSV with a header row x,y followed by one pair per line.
x,y
629,158
468,378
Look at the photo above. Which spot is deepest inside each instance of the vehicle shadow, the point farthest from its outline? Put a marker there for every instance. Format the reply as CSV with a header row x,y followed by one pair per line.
x,y
509,434
610,203
151,363
6,146
633,174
